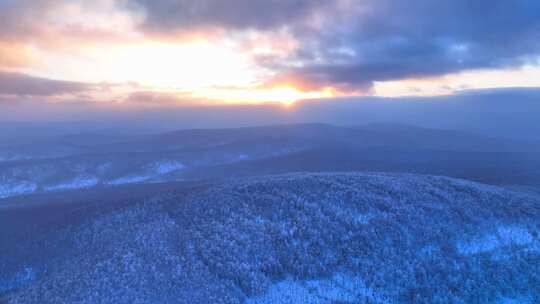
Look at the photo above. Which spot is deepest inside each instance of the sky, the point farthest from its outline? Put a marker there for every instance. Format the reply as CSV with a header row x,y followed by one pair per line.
x,y
126,54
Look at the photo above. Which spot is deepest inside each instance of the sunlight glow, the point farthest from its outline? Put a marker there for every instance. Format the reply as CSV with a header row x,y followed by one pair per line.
x,y
285,94
182,66
208,71
179,66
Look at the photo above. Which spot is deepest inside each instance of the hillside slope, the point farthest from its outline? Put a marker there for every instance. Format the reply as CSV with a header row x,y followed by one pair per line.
x,y
297,238
91,161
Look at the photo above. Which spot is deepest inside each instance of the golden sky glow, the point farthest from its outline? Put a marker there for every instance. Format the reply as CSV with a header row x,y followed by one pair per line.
x,y
302,51
156,64
220,72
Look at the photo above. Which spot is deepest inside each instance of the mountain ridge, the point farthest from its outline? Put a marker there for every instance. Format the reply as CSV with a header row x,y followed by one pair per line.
x,y
250,240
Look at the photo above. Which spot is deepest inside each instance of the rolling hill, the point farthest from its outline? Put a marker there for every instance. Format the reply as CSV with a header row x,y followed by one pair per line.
x,y
90,161
294,238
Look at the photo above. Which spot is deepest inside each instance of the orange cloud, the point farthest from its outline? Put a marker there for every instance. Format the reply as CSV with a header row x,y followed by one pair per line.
x,y
16,55
305,84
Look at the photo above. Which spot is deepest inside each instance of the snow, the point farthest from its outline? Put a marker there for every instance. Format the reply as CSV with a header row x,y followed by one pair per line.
x,y
154,170
340,288
502,237
17,188
165,167
22,278
242,157
522,300
296,238
132,179
79,182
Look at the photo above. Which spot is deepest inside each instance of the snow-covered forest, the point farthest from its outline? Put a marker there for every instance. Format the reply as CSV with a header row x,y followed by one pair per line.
x,y
294,238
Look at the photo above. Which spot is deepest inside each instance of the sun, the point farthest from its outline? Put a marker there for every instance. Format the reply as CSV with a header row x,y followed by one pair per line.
x,y
286,95
207,70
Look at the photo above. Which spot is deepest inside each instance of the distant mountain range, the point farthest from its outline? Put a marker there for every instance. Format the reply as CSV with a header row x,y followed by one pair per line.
x,y
93,160
508,112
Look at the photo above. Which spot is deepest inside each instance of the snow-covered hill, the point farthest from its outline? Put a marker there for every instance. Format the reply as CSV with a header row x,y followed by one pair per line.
x,y
297,238
88,161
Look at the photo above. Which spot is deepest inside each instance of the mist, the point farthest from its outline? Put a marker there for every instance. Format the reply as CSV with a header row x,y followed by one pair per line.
x,y
511,113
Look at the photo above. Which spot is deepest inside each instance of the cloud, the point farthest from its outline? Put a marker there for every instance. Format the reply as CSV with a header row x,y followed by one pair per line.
x,y
387,40
174,15
53,23
360,42
162,99
23,85
509,113
14,16
15,55
346,45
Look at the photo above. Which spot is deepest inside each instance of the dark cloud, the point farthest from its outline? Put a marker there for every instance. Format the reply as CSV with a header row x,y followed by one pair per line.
x,y
23,85
388,40
181,15
372,40
21,18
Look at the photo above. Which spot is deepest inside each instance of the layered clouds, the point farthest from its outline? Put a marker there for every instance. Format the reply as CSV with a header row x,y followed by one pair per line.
x,y
22,85
352,44
263,50
185,15
389,40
